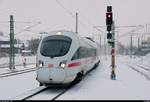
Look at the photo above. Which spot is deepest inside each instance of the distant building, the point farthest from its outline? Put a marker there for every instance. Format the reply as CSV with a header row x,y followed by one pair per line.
x,y
26,52
5,47
145,47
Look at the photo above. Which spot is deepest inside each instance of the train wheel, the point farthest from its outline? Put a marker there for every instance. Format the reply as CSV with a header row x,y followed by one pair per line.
x,y
40,84
96,65
78,78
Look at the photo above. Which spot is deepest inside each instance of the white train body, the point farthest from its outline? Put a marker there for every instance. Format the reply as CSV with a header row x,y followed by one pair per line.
x,y
62,55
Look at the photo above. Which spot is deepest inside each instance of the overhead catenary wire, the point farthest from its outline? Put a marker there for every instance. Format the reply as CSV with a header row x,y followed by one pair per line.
x,y
16,22
91,23
28,28
132,31
71,14
67,11
137,27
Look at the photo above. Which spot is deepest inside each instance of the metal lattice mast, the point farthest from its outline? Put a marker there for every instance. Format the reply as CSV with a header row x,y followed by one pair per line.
x,y
12,51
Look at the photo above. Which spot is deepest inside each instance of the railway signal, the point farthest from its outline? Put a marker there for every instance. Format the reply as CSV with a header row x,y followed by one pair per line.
x,y
111,39
109,35
109,18
108,28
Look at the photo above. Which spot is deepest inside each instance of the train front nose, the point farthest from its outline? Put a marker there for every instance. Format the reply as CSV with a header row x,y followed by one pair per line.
x,y
54,75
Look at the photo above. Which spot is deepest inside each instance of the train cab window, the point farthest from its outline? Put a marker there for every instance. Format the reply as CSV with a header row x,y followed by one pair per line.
x,y
55,46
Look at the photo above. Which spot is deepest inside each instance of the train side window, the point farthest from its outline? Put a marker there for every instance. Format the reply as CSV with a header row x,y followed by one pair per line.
x,y
83,52
80,53
76,55
91,52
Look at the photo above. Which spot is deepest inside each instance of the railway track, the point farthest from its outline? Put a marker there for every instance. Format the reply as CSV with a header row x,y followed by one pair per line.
x,y
147,65
30,93
16,72
6,65
53,92
141,69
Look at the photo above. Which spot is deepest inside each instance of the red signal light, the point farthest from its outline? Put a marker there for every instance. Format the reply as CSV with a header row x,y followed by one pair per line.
x,y
109,15
109,18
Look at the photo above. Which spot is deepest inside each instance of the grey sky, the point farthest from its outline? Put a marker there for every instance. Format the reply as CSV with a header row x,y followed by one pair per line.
x,y
54,17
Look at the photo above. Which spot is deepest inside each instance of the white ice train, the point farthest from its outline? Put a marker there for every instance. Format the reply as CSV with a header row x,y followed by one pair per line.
x,y
63,57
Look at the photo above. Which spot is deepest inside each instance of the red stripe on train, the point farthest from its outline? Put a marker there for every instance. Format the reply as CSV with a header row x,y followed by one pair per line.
x,y
74,64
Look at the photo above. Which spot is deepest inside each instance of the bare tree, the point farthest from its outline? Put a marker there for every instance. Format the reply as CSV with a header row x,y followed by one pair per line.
x,y
33,45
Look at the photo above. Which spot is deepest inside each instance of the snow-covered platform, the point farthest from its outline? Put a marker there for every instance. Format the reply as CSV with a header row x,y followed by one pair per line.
x,y
16,69
130,85
4,64
97,85
12,86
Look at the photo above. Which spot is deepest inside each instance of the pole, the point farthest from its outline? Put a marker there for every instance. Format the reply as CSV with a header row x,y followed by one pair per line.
x,y
100,41
111,39
12,53
131,47
146,31
105,47
113,75
117,45
138,43
138,46
76,22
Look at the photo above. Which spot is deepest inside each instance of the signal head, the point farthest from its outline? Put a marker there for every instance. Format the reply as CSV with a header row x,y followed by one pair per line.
x,y
109,18
109,8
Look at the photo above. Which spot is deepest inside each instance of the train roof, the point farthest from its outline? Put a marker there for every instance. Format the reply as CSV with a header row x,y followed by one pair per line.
x,y
71,35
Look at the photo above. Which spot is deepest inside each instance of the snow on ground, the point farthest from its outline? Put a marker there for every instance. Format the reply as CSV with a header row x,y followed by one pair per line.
x,y
97,85
17,68
18,59
13,86
129,85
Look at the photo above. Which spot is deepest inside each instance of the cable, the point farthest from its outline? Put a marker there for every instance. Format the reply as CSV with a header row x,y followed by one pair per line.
x,y
70,13
132,31
96,27
28,28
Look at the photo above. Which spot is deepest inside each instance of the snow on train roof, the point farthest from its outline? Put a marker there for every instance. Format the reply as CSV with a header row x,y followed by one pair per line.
x,y
70,33
61,32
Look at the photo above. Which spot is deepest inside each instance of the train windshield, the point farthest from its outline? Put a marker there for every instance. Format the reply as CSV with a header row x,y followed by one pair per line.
x,y
55,46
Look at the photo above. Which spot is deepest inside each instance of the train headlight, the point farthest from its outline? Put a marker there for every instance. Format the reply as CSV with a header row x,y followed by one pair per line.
x,y
59,33
63,64
41,64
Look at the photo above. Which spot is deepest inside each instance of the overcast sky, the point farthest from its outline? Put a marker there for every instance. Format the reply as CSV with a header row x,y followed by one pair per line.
x,y
60,14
